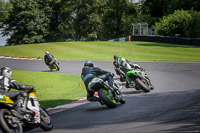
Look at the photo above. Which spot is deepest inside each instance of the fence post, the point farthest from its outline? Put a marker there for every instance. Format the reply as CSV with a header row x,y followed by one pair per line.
x,y
129,39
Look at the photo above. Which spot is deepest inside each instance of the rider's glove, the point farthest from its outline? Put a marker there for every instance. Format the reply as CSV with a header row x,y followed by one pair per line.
x,y
112,74
136,66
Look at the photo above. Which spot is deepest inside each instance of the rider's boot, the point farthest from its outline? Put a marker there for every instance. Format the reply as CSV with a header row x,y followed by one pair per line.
x,y
21,103
93,98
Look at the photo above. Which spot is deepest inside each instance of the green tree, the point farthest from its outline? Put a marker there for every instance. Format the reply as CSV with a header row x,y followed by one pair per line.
x,y
88,19
26,23
191,28
4,7
59,13
155,8
118,18
183,5
173,23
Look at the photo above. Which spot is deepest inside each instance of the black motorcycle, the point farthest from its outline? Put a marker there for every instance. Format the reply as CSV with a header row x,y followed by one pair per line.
x,y
106,93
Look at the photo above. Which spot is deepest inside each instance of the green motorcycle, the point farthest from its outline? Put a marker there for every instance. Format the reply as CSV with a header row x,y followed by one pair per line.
x,y
106,93
139,80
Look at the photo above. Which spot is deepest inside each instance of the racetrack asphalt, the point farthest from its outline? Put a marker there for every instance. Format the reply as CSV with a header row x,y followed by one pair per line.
x,y
172,107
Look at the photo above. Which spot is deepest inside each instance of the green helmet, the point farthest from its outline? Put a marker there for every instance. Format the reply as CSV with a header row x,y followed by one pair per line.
x,y
122,60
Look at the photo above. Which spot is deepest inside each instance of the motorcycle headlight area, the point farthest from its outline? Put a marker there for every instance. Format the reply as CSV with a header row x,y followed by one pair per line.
x,y
139,74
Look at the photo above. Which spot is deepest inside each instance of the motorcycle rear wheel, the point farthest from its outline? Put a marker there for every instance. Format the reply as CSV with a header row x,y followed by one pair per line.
x,y
7,124
45,123
141,85
56,67
106,98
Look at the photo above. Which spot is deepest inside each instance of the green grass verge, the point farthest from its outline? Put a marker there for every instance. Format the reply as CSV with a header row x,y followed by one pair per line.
x,y
53,88
134,51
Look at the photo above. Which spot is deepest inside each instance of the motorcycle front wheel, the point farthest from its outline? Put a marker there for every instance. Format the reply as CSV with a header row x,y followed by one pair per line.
x,y
45,123
123,100
142,85
9,123
106,98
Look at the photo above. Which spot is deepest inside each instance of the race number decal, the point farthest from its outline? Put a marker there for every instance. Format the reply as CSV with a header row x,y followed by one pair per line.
x,y
1,96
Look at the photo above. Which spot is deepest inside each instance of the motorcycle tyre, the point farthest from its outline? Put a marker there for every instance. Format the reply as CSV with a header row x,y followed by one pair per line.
x,y
123,100
121,79
105,99
56,67
4,126
44,125
141,85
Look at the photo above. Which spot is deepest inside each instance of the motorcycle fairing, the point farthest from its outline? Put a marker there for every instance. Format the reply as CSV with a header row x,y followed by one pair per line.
x,y
131,75
97,84
5,99
34,105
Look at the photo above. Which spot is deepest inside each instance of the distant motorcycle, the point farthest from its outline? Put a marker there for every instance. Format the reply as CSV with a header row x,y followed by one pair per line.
x,y
12,121
106,93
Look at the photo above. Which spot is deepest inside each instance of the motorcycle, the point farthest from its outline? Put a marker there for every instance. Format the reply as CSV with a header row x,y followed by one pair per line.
x,y
106,94
134,78
139,80
13,121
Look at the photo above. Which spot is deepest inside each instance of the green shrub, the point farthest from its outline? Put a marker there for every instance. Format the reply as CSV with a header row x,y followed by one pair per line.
x,y
173,23
191,29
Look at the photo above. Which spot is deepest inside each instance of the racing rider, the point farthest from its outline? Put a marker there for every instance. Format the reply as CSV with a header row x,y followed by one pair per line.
x,y
6,83
124,64
49,59
89,72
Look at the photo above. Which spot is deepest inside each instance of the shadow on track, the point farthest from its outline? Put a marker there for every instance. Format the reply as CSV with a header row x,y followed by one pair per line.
x,y
149,109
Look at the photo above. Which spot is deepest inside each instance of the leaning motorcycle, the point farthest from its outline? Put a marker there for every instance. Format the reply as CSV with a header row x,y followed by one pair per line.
x,y
106,94
12,121
139,80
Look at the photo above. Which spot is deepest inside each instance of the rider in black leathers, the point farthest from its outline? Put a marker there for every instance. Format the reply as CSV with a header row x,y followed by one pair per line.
x,y
6,83
89,72
49,59
124,64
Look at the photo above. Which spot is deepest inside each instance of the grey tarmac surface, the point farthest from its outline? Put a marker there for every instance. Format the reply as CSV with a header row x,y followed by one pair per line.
x,y
172,107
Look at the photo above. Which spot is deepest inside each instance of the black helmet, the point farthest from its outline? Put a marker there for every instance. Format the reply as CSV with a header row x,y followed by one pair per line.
x,y
115,57
88,63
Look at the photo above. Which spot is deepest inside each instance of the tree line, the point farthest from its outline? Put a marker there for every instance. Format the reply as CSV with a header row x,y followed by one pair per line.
x,y
36,21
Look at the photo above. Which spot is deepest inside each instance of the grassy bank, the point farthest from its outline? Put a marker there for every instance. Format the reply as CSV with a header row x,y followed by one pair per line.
x,y
134,51
53,88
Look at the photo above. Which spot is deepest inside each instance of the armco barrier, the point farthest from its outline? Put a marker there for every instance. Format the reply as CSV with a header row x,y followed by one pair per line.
x,y
168,39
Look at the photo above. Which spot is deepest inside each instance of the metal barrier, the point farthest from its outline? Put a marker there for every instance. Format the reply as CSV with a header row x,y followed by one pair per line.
x,y
168,39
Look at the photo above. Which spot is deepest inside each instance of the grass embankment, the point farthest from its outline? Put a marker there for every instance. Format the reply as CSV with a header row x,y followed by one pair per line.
x,y
56,89
134,51
53,88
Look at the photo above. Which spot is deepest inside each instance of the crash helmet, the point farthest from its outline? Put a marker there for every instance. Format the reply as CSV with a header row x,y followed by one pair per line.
x,y
122,60
88,63
46,52
115,57
6,72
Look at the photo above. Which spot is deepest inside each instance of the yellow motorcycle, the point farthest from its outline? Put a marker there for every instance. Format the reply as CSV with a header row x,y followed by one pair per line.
x,y
12,121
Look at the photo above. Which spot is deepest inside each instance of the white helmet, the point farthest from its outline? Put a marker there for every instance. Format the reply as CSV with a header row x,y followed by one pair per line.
x,y
46,52
6,72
